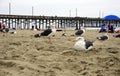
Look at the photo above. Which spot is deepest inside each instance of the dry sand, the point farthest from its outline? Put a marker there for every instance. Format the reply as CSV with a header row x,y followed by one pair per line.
x,y
23,55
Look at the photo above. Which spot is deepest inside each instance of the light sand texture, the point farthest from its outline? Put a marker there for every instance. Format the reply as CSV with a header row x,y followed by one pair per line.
x,y
23,55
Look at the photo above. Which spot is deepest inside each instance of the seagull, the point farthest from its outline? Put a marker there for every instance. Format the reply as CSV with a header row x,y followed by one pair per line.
x,y
117,36
13,32
48,32
5,30
79,32
64,34
103,37
83,44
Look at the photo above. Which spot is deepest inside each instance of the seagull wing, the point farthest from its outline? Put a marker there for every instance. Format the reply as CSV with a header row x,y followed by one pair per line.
x,y
88,44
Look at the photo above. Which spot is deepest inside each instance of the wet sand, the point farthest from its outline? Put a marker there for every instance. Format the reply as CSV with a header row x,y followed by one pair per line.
x,y
23,55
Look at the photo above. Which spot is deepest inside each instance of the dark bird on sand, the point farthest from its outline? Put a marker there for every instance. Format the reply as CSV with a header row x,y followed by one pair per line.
x,y
79,32
117,36
103,37
48,32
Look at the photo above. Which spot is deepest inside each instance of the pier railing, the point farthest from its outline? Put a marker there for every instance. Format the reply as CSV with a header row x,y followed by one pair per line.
x,y
43,22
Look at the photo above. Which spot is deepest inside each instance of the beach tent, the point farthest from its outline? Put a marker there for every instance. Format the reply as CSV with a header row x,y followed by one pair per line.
x,y
111,17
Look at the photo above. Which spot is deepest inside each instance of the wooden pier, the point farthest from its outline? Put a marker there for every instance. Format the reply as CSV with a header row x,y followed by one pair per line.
x,y
43,22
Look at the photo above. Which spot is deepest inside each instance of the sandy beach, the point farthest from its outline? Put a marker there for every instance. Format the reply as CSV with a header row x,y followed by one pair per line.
x,y
23,55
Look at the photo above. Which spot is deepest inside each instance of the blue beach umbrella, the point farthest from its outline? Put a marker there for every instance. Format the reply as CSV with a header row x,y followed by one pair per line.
x,y
111,17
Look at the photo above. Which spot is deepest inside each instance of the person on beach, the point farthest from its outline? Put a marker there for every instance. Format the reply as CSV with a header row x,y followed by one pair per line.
x,y
103,28
110,28
3,28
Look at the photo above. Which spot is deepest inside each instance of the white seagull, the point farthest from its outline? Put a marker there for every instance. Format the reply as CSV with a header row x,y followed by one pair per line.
x,y
83,44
